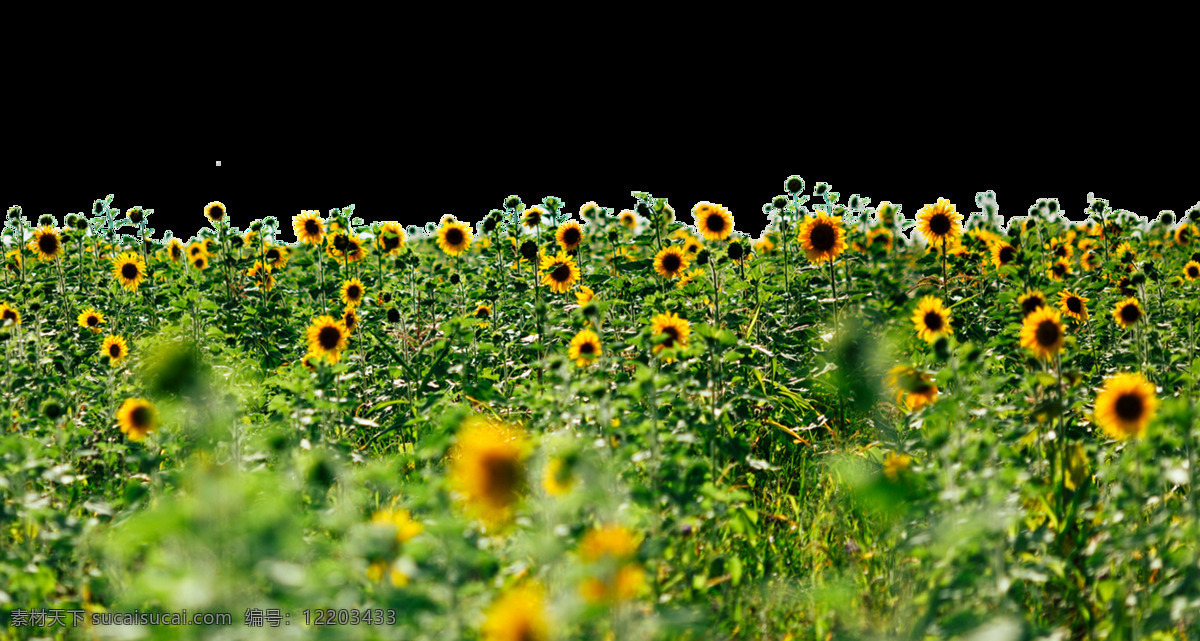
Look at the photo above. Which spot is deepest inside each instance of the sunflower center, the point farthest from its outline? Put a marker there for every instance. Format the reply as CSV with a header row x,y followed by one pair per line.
x,y
350,320
48,244
114,350
311,227
272,255
329,337
391,242
482,312
671,263
1194,272
933,321
1059,269
129,271
140,417
562,273
353,292
92,321
939,224
1130,313
502,476
199,262
822,237
921,389
9,315
672,336
1007,253
174,252
1061,251
571,236
1074,305
217,213
715,223
1047,333
340,242
587,348
1130,407
1031,304
195,251
454,236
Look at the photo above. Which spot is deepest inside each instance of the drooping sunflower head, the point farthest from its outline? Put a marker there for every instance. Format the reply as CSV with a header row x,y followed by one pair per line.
x,y
931,319
308,227
1127,312
519,615
137,418
9,315
714,221
1185,234
353,292
175,250
1042,332
560,271
1125,406
1073,305
454,237
822,237
584,295
392,238
533,216
47,244
913,388
1031,301
90,319
214,212
585,348
487,468
939,223
350,318
115,349
676,331
671,261
1003,254
327,338
569,235
129,269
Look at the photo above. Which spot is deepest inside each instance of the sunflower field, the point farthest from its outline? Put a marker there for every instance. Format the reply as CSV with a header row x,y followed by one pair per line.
x,y
558,423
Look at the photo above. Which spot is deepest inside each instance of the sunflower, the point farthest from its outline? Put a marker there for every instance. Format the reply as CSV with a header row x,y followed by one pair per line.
x,y
533,217
1042,332
130,270
1003,254
676,329
200,262
1185,234
584,295
714,221
353,292
196,249
1031,301
822,237
519,615
932,319
691,245
939,223
115,348
915,389
354,250
309,227
483,311
391,238
557,480
487,468
47,245
276,256
585,348
137,418
350,318
90,319
215,212
1074,305
627,583
1127,312
1125,406
764,245
406,528
175,250
628,219
608,542
895,464
9,313
1059,270
454,237
569,235
880,238
1060,249
1126,253
1191,270
1089,261
670,262
327,338
561,272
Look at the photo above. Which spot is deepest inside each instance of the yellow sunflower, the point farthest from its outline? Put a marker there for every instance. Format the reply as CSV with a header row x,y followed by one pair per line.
x,y
327,338
1003,254
47,245
400,520
137,418
215,212
691,245
276,256
676,329
1089,261
608,542
880,238
822,237
557,479
1127,312
90,319
391,238
714,221
353,292
115,349
1185,234
561,272
914,389
354,251
200,261
569,235
1043,333
1191,270
519,615
932,319
628,219
349,318
483,311
454,237
175,250
584,295
1074,305
1126,253
670,262
533,217
1031,301
585,348
9,314
1126,405
487,468
196,249
1059,270
129,269
895,465
939,223
309,227
1060,249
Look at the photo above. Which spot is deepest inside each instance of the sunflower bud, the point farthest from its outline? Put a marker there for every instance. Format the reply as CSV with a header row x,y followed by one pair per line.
x,y
1194,214
779,202
821,189
512,202
702,257
736,251
52,408
136,215
81,223
393,315
454,279
46,220
642,209
529,250
386,297
1166,217
793,184
941,348
1138,278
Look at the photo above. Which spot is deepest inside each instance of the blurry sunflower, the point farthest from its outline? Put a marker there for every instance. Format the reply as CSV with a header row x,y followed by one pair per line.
x,y
1185,234
1003,254
355,250
670,262
210,245
932,319
276,256
1031,301
1060,249
47,245
175,250
691,245
939,223
626,583
137,418
90,319
1042,333
115,348
561,272
1191,270
558,479
584,295
214,211
585,348
353,292
350,318
676,329
391,238
9,314
608,542
1126,253
196,249
12,260
894,465
628,219
1089,261
879,239
483,311
690,276
714,221
1059,270
129,269
533,217
822,237
327,338
200,261
487,468
1074,305
763,245
519,615
309,227
1125,406
454,237
406,528
914,389
1127,312
569,235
